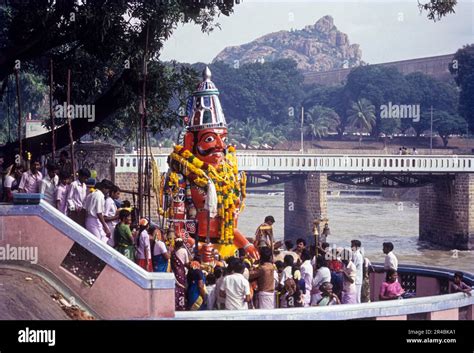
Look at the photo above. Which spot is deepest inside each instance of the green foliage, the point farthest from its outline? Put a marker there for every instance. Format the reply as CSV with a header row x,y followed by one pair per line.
x,y
361,115
428,92
33,100
437,8
463,71
380,85
104,44
265,91
320,121
255,133
447,124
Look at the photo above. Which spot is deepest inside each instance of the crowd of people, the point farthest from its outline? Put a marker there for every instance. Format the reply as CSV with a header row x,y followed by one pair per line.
x,y
289,276
285,276
404,151
95,205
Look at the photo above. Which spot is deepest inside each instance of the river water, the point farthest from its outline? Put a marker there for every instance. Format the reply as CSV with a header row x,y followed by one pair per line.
x,y
371,219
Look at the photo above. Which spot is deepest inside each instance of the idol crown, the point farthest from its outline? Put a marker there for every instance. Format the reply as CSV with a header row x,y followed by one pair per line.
x,y
204,107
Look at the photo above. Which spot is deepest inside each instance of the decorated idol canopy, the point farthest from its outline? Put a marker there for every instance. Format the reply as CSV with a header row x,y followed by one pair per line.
x,y
204,109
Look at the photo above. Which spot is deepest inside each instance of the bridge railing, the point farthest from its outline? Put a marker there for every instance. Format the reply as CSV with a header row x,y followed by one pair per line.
x,y
330,163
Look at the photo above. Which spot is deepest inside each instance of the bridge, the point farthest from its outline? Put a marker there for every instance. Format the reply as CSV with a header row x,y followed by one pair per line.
x,y
446,186
371,170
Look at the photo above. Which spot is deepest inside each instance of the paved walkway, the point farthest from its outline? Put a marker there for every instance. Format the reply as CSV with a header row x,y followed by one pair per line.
x,y
24,296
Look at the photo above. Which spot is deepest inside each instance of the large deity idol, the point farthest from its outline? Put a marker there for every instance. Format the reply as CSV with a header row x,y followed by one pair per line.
x,y
204,191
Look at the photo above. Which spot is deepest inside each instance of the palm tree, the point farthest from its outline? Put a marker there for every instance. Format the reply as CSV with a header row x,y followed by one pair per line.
x,y
319,121
361,115
245,133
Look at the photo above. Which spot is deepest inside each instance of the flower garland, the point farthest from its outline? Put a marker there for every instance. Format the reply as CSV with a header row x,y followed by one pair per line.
x,y
229,186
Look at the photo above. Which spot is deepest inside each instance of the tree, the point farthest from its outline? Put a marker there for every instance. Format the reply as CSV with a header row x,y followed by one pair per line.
x,y
380,85
428,92
104,44
437,8
245,133
32,95
462,68
255,132
320,121
334,97
267,91
361,115
447,124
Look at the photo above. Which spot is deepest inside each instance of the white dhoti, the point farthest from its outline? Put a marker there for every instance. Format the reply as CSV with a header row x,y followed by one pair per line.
x,y
111,240
94,226
266,300
307,298
358,292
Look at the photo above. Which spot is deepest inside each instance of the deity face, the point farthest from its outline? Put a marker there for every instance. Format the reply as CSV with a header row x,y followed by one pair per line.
x,y
211,145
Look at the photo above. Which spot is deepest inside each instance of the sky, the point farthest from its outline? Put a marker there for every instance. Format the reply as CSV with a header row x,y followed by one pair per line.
x,y
386,30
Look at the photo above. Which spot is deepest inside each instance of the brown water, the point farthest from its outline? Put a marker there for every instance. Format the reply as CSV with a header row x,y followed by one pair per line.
x,y
372,220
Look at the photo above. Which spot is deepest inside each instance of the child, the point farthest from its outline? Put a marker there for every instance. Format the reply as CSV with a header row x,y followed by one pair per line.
x,y
123,238
300,289
459,285
62,192
110,211
143,246
126,205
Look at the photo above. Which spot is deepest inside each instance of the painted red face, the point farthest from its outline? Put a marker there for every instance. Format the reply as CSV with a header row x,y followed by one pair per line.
x,y
211,145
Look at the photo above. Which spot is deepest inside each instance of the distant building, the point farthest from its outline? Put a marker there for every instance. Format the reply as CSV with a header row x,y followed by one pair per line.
x,y
434,66
34,127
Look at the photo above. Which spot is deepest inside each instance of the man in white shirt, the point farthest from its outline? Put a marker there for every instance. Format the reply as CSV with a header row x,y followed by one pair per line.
x,y
62,191
307,274
349,273
95,205
30,180
236,289
110,212
288,269
49,184
77,196
358,261
391,261
323,274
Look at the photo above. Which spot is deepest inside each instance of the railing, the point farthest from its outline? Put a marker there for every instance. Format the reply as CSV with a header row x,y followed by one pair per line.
x,y
93,271
330,163
427,283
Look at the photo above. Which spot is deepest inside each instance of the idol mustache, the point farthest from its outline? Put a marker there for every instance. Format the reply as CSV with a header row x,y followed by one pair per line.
x,y
210,151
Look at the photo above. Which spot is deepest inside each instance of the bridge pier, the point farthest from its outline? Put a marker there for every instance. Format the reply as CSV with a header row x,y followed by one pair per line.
x,y
305,200
447,212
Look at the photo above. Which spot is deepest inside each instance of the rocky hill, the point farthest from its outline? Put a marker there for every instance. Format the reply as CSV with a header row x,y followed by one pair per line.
x,y
318,47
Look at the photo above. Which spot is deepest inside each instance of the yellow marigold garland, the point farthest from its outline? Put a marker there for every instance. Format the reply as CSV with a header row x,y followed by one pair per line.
x,y
229,187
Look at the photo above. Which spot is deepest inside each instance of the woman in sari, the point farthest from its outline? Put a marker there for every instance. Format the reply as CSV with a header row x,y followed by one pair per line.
x,y
123,238
160,254
197,296
179,261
